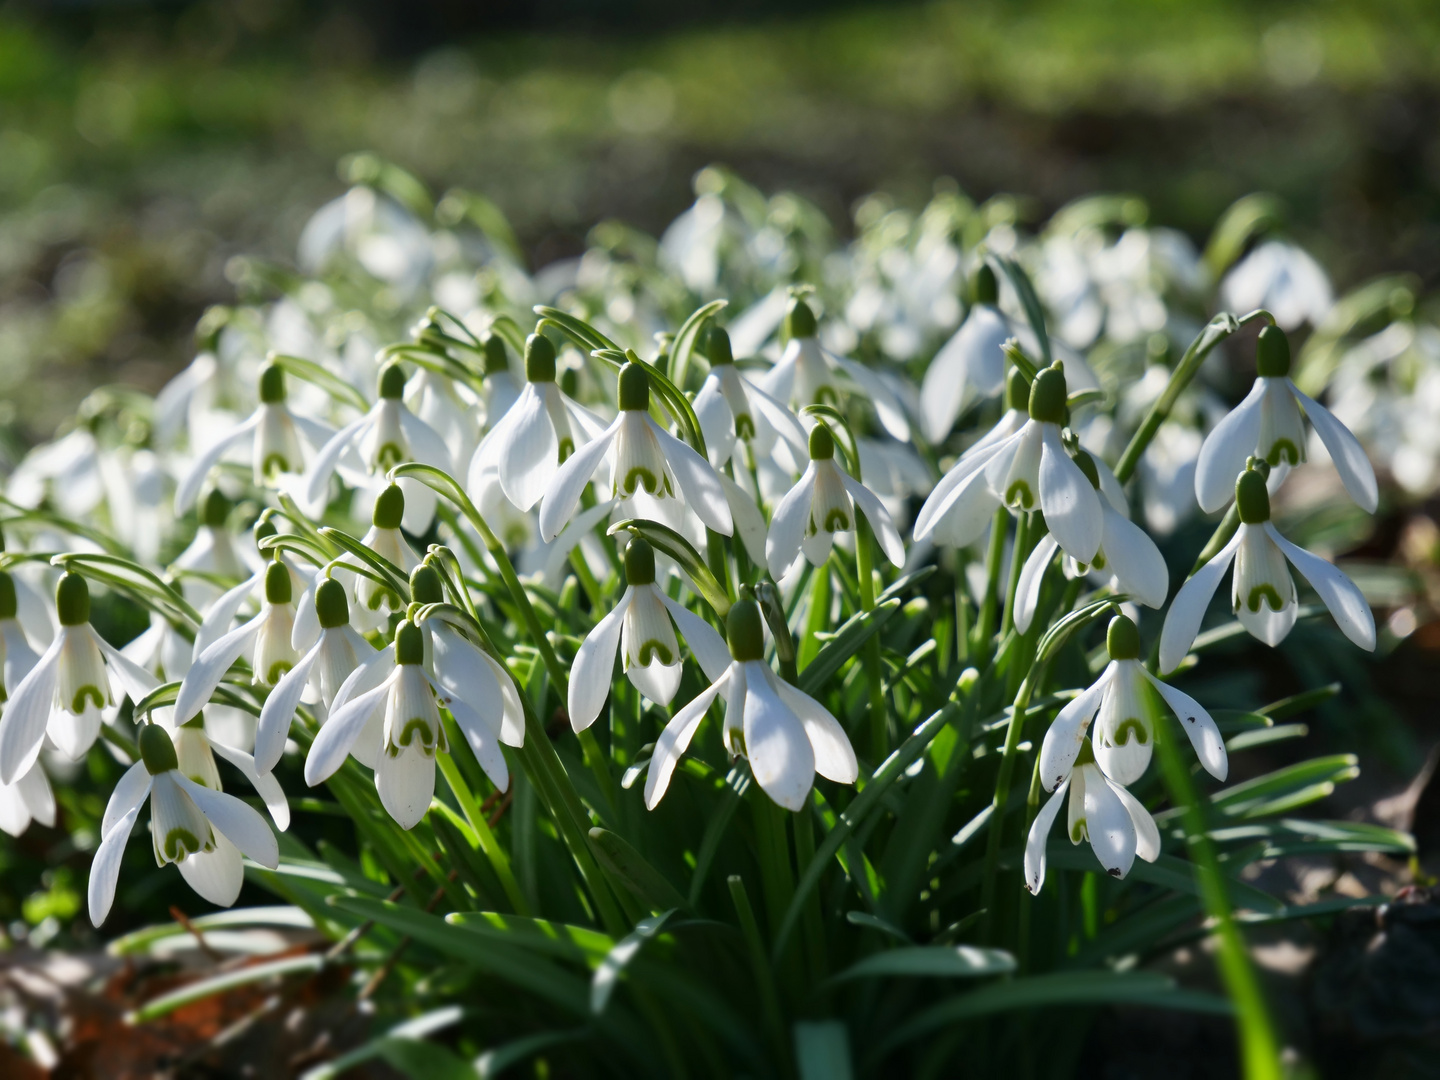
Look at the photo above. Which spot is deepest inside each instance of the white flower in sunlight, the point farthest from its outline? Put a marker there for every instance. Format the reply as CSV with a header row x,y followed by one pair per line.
x,y
642,626
380,234
523,451
499,391
1284,280
970,365
448,408
68,689
807,374
1126,555
269,633
732,409
28,799
193,824
1269,425
274,433
823,502
215,551
386,436
1124,735
642,456
17,656
1263,597
373,600
219,617
67,470
321,671
1100,811
786,735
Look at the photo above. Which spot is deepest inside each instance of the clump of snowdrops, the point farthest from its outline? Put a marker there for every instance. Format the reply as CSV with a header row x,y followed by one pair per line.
x,y
737,653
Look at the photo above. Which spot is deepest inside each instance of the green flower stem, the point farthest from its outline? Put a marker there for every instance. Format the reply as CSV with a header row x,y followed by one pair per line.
x,y
719,565
813,919
1259,1051
1023,532
499,861
1222,535
764,978
1002,797
817,618
777,877
1032,808
865,579
994,555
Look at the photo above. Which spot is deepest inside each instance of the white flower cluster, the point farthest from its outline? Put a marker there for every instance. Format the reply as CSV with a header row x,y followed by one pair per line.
x,y
809,424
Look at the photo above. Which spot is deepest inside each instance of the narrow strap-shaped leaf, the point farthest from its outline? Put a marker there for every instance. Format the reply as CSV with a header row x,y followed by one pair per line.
x,y
579,331
132,577
686,338
510,330
324,378
219,984
669,542
389,574
932,961
411,1030
627,865
847,641
165,693
1028,300
607,975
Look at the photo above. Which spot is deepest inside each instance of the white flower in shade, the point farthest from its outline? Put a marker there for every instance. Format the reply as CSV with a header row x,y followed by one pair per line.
x,y
786,735
214,551
196,750
807,374
28,799
1124,734
522,452
1269,425
643,458
1126,555
823,502
373,600
731,409
1100,811
267,636
320,672
447,408
970,365
640,626
386,436
411,732
1263,597
17,655
65,694
1284,280
959,508
499,390
193,824
274,433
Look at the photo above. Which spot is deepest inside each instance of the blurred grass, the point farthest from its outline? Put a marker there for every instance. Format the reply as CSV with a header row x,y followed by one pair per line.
x,y
142,147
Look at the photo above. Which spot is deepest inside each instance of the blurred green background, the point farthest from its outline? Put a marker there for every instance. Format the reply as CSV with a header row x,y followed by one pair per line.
x,y
143,145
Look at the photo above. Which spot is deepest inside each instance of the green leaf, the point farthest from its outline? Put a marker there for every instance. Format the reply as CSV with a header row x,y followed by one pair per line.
x,y
1248,740
1240,221
324,378
388,574
410,1031
629,867
1060,633
687,336
853,634
510,330
932,961
139,941
1245,796
822,1050
1028,300
132,578
581,332
425,1060
219,984
492,1063
1298,703
607,975
576,944
165,694
874,922
669,542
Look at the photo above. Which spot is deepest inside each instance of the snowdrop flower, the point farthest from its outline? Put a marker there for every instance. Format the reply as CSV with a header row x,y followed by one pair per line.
x,y
1284,280
65,693
214,551
786,735
384,537
193,824
216,620
1126,555
439,402
1100,811
17,656
320,672
822,503
196,750
523,451
642,456
499,391
731,409
411,732
970,364
1263,597
386,436
1268,425
1124,735
67,470
28,799
807,374
268,632
274,433
958,509
641,627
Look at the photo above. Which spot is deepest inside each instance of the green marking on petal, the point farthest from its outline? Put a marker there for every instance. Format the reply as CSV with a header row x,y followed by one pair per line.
x,y
1126,728
1284,450
567,447
180,842
1079,831
640,476
1019,495
837,521
87,692
389,455
413,728
744,427
274,465
277,671
653,650
1265,594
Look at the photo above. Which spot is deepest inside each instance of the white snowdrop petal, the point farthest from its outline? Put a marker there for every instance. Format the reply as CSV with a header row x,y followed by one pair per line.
x,y
1111,830
595,664
217,876
963,477
317,484
105,866
706,644
484,741
1188,608
39,798
1341,595
785,423
1065,736
563,495
190,485
1199,726
749,521
787,524
776,744
23,722
879,518
130,792
1147,833
526,449
942,391
1032,576
426,444
1135,561
264,783
698,481
1349,457
1039,837
337,736
512,719
657,681
1071,505
405,782
222,612
834,756
273,727
210,667
242,824
676,738
717,420
371,672
887,406
1223,454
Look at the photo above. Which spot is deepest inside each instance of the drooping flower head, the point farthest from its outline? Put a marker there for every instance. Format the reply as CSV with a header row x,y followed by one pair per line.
x,y
970,364
732,409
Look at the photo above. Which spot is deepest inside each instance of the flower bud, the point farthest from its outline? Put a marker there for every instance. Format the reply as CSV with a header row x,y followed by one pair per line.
x,y
264,527
986,288
425,586
539,359
799,319
1123,639
156,750
277,584
392,382
1272,353
639,562
1251,498
822,443
409,644
72,600
272,384
216,509
744,628
332,606
1047,395
634,387
389,508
